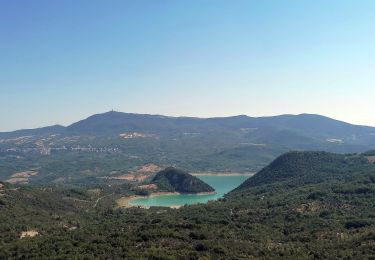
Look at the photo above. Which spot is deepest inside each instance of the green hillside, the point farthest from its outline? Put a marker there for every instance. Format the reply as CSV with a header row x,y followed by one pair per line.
x,y
297,168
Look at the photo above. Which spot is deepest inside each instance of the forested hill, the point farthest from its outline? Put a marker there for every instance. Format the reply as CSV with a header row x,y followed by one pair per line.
x,y
175,180
296,168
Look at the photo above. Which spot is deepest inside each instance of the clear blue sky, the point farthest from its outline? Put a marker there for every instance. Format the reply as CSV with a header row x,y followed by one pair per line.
x,y
61,61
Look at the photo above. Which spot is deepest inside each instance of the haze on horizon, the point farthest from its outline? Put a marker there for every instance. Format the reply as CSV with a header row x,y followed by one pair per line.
x,y
62,61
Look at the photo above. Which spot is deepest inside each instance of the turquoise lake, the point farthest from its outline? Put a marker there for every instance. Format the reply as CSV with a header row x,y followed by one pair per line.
x,y
221,184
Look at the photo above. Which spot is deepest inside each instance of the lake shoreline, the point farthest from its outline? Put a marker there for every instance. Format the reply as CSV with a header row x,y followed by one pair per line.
x,y
126,202
222,182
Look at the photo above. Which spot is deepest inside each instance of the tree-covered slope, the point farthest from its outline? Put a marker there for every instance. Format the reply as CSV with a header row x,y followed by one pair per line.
x,y
297,168
175,180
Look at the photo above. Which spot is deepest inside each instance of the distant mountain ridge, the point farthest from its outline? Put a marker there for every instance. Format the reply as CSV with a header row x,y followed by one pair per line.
x,y
107,142
56,129
112,123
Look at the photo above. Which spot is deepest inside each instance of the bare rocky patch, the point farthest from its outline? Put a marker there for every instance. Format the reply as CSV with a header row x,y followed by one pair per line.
x,y
148,187
371,159
30,233
22,177
149,168
140,174
311,207
134,135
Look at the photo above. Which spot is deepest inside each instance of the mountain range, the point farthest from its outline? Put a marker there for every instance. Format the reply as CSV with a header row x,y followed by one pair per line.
x,y
105,147
299,129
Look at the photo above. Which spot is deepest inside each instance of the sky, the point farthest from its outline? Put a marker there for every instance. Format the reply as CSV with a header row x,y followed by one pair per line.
x,y
62,61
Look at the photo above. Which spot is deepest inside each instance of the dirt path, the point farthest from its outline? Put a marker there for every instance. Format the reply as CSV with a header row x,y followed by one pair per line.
x,y
99,199
86,201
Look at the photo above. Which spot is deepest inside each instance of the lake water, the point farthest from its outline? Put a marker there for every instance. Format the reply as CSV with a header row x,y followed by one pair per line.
x,y
221,184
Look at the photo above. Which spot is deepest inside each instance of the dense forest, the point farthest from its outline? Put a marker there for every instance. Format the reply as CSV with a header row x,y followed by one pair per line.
x,y
310,205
